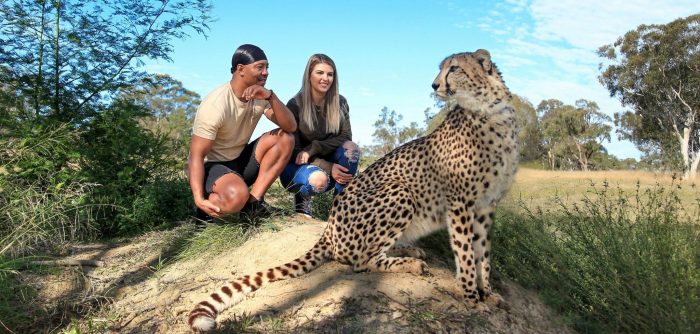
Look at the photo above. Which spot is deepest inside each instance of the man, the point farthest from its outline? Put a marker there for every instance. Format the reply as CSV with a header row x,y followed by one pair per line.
x,y
222,164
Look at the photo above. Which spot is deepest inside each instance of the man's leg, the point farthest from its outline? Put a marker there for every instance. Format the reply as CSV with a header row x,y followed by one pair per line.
x,y
272,152
229,193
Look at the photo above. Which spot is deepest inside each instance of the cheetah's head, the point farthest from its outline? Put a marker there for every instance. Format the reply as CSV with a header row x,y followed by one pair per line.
x,y
471,75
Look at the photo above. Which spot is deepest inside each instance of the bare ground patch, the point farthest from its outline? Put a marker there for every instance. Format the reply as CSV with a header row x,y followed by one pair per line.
x,y
137,291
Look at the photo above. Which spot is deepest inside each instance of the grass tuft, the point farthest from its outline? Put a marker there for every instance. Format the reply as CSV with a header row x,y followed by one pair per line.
x,y
612,263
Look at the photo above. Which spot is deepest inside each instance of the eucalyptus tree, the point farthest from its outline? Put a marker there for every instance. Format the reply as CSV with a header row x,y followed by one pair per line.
x,y
655,71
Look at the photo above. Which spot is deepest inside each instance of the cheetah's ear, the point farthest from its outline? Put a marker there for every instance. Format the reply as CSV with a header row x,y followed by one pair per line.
x,y
484,58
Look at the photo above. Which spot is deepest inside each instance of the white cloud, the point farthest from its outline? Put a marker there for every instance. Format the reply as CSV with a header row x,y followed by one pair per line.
x,y
590,24
549,48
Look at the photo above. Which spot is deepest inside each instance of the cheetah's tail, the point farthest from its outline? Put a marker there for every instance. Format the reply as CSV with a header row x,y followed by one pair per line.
x,y
203,316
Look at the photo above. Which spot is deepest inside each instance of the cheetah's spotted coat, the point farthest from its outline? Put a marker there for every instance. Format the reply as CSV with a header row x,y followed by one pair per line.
x,y
452,178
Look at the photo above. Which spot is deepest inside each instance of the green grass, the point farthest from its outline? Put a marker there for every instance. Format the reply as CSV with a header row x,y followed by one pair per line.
x,y
16,298
613,262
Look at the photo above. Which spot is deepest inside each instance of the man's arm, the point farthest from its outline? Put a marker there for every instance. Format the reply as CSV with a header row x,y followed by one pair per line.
x,y
280,115
198,150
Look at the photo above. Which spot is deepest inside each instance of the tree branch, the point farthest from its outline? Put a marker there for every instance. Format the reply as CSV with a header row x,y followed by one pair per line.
x,y
128,60
89,263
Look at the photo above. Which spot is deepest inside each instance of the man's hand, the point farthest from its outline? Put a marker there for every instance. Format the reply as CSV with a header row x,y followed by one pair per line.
x,y
208,207
340,174
256,92
302,158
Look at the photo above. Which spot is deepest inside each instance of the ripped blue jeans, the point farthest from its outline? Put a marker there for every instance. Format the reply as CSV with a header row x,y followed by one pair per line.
x,y
295,178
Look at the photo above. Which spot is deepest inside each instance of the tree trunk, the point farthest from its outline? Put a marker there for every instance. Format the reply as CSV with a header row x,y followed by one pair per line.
x,y
57,105
39,79
693,171
550,158
581,157
691,167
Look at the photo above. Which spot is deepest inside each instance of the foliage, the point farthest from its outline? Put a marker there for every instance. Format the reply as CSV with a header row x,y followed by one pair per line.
x,y
41,197
390,134
128,162
530,141
16,298
610,263
62,67
655,70
161,202
170,107
68,58
572,134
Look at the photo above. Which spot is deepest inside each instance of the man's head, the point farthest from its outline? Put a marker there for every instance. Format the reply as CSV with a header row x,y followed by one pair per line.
x,y
249,64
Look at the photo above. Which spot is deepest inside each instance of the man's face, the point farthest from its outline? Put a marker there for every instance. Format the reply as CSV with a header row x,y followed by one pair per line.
x,y
255,73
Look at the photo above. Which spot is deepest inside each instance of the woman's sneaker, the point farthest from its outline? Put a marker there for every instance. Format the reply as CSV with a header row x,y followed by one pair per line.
x,y
302,205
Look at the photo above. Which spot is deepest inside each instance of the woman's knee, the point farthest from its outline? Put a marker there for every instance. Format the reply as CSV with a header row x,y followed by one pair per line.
x,y
352,151
319,181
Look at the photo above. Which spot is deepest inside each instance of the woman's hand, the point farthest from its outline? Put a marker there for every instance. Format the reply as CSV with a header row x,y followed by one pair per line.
x,y
340,174
302,158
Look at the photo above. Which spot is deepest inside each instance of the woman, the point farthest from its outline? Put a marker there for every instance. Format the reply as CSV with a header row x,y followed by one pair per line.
x,y
324,156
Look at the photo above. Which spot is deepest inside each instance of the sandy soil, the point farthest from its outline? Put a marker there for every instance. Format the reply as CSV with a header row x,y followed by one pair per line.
x,y
141,295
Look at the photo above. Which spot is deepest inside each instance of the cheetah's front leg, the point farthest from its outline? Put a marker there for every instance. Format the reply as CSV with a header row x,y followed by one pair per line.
x,y
461,235
481,242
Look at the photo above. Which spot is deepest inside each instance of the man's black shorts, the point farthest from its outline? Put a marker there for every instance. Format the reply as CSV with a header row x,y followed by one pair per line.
x,y
246,166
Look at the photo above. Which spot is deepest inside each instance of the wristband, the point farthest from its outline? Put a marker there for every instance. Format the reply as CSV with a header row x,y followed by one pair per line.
x,y
269,96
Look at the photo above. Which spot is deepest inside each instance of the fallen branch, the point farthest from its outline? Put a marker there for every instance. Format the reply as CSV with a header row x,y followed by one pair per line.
x,y
88,263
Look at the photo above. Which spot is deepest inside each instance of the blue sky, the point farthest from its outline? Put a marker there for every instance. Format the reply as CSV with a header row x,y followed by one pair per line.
x,y
387,52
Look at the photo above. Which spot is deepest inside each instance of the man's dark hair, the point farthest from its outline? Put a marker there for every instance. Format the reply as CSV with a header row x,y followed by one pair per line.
x,y
246,54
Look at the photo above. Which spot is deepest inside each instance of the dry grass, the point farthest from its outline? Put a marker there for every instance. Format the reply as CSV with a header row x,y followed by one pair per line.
x,y
540,188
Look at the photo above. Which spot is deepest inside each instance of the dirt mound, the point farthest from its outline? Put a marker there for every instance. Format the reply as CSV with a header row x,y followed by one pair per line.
x,y
330,299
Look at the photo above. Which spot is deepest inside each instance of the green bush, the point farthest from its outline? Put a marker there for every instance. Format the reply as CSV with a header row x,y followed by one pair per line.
x,y
131,164
610,263
42,200
160,203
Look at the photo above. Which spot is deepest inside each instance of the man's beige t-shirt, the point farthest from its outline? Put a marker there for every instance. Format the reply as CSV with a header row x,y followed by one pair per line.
x,y
228,121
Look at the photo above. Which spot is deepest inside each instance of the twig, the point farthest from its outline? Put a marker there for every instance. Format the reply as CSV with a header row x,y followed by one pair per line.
x,y
89,263
394,300
9,330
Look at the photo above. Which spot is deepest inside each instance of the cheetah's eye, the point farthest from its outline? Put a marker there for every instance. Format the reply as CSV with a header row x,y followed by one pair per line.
x,y
454,68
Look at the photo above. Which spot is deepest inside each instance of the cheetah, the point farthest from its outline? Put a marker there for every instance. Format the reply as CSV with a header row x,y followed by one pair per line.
x,y
452,178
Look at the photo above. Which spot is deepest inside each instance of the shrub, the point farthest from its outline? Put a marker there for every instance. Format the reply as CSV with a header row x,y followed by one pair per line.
x,y
130,164
609,263
160,203
41,199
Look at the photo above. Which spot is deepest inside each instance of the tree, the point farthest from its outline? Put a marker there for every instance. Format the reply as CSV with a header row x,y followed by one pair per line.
x,y
573,134
389,134
655,70
68,58
530,135
170,108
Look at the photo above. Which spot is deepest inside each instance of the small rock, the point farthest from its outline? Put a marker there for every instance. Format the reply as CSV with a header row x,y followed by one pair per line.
x,y
396,315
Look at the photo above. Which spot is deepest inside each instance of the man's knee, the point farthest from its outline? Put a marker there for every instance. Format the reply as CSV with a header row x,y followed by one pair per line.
x,y
318,180
285,139
231,199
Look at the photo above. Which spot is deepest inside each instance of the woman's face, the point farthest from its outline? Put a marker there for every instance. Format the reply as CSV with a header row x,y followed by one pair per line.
x,y
322,76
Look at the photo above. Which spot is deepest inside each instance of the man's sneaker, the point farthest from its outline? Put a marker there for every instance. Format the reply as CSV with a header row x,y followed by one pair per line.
x,y
302,204
202,220
260,209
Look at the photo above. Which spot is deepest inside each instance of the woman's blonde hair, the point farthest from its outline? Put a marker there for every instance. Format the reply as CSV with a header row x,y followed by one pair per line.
x,y
331,105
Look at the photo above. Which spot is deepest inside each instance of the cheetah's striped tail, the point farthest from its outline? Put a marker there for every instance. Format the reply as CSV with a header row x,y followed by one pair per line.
x,y
203,316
